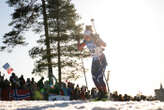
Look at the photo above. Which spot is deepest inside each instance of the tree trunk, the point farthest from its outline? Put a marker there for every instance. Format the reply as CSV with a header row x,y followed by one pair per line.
x,y
50,72
58,48
59,63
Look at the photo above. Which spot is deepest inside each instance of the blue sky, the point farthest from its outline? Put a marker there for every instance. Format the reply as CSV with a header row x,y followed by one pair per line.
x,y
18,59
133,31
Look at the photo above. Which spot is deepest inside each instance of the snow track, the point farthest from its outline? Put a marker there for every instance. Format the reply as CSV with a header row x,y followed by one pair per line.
x,y
80,105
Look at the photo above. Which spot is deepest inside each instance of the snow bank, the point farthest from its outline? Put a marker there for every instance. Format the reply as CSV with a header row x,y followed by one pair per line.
x,y
80,105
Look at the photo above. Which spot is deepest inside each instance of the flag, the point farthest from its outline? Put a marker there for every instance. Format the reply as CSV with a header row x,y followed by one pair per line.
x,y
19,94
7,68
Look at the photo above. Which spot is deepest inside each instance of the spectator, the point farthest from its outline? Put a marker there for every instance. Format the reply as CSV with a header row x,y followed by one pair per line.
x,y
22,82
88,94
82,93
93,93
14,81
64,89
33,87
28,83
40,83
77,92
5,89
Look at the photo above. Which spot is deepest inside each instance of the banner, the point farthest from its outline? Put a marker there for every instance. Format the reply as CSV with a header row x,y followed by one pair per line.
x,y
53,97
19,94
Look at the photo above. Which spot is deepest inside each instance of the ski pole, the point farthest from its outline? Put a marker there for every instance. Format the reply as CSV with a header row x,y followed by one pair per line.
x,y
83,66
106,83
93,24
84,72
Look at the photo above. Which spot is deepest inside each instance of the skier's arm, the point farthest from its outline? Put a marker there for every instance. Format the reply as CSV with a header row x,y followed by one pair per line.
x,y
86,38
103,43
100,41
81,46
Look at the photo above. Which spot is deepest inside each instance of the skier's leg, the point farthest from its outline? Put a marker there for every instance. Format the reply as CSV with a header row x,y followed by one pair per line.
x,y
104,63
102,84
98,86
98,68
101,79
94,71
101,71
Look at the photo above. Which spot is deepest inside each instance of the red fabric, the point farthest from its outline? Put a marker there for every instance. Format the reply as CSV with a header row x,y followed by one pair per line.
x,y
5,94
20,94
62,92
80,46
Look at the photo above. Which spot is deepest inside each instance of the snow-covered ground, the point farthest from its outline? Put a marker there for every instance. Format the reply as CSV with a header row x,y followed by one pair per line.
x,y
80,105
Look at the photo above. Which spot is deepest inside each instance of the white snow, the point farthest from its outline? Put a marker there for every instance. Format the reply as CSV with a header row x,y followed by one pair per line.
x,y
81,105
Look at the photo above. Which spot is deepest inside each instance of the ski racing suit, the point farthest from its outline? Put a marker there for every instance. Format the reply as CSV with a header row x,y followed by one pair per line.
x,y
99,64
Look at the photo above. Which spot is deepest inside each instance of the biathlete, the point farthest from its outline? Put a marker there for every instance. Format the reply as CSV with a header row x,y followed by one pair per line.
x,y
99,63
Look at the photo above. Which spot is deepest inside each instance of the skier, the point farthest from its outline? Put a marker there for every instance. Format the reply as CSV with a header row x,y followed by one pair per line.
x,y
99,63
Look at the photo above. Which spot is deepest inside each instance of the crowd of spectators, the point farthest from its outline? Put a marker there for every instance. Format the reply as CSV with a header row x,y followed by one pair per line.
x,y
119,97
42,88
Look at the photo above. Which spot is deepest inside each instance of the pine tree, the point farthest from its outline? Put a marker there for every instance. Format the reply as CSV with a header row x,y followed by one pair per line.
x,y
57,47
65,32
26,15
